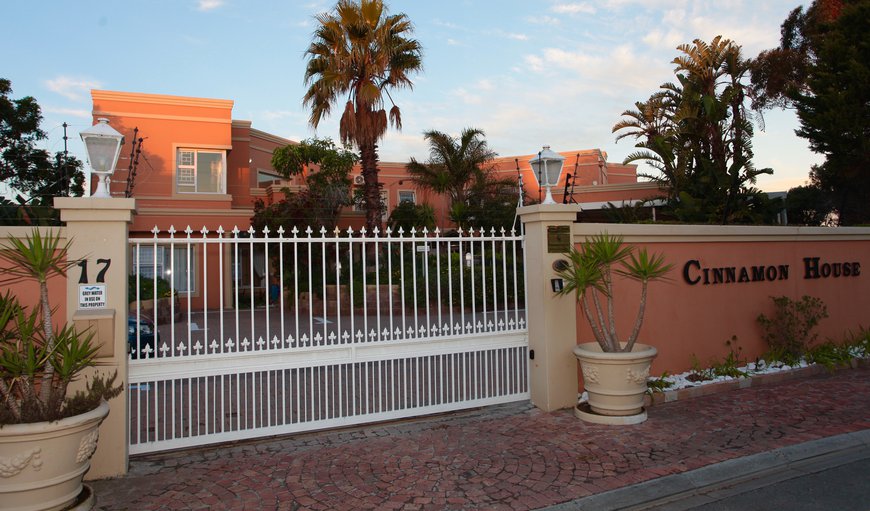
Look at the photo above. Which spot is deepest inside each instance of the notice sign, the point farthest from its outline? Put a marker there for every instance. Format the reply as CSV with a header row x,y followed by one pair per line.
x,y
92,296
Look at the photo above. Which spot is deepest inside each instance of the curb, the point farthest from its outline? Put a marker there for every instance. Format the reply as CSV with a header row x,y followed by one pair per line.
x,y
709,484
757,380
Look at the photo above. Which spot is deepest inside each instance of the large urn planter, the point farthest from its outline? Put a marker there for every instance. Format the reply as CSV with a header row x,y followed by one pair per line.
x,y
614,372
615,382
42,464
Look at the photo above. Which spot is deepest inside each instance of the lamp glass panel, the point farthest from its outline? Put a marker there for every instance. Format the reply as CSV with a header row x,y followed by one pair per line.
x,y
101,153
554,168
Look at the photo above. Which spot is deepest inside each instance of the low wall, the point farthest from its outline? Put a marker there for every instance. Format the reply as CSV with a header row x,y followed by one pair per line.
x,y
725,276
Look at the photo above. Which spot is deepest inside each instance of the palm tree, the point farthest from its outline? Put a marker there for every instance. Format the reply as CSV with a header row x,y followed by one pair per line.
x,y
697,133
458,168
360,52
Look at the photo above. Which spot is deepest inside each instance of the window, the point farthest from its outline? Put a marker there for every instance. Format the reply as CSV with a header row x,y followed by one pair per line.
x,y
359,204
407,196
265,178
170,264
200,171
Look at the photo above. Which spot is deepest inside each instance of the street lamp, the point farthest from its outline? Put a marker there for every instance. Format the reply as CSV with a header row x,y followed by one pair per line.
x,y
547,167
103,145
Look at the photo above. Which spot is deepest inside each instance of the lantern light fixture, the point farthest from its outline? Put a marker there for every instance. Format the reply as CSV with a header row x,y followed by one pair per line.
x,y
103,144
547,167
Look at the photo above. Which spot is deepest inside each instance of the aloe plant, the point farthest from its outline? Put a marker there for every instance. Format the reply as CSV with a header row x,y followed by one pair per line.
x,y
589,275
37,361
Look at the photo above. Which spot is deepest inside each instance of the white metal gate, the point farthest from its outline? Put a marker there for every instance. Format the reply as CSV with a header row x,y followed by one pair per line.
x,y
271,335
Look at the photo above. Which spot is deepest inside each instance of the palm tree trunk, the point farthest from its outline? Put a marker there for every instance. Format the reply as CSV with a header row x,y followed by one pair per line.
x,y
605,332
6,392
596,330
45,390
639,320
372,187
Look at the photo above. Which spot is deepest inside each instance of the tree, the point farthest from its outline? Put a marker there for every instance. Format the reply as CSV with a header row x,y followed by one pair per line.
x,y
698,134
807,205
825,54
461,169
360,52
29,170
407,216
328,187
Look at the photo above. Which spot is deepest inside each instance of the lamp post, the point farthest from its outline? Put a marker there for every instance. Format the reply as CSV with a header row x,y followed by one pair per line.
x,y
103,144
547,167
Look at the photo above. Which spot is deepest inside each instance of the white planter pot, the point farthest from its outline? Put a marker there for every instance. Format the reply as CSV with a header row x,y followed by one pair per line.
x,y
42,464
615,382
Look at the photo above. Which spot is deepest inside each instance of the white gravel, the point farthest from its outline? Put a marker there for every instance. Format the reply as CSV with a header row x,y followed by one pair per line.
x,y
681,381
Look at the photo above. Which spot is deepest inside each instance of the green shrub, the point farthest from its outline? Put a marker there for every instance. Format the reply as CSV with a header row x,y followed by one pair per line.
x,y
829,354
729,365
146,288
789,333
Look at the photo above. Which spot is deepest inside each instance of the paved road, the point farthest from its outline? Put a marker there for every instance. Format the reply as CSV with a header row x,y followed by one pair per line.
x,y
509,457
825,474
842,488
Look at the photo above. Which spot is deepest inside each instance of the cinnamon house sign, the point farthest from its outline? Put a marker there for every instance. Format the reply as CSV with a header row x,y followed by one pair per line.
x,y
694,273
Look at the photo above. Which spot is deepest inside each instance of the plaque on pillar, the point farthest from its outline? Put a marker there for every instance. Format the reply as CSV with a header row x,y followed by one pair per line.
x,y
558,239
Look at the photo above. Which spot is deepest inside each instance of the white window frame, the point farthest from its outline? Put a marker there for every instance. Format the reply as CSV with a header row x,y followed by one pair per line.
x,y
164,261
413,193
190,178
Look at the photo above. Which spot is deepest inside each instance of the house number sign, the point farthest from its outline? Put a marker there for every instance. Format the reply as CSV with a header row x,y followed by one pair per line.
x,y
93,295
558,239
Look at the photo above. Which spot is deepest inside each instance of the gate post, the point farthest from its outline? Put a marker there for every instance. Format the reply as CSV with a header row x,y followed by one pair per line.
x,y
98,230
552,320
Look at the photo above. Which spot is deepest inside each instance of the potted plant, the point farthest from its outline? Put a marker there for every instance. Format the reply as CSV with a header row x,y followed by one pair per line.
x,y
46,436
615,368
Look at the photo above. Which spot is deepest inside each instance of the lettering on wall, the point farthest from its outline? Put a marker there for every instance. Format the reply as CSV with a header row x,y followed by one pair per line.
x,y
93,296
694,273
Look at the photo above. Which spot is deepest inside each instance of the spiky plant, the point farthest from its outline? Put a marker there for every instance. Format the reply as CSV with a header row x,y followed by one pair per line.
x,y
37,361
589,276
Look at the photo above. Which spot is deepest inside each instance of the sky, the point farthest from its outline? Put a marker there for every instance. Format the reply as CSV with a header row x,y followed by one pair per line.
x,y
527,72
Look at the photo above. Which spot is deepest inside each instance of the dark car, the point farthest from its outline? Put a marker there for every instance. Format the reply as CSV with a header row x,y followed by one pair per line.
x,y
148,337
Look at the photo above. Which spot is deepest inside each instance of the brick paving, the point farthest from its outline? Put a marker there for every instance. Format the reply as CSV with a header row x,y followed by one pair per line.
x,y
510,457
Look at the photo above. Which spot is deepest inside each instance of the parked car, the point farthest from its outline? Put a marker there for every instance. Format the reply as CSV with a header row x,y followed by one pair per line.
x,y
148,337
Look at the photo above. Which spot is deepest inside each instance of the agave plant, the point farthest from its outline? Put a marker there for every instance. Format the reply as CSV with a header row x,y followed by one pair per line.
x,y
38,361
590,273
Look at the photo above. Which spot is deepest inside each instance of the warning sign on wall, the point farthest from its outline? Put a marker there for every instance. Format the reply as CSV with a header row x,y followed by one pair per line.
x,y
92,296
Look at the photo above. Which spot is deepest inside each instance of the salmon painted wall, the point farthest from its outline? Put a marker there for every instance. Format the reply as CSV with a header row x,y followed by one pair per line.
x,y
692,315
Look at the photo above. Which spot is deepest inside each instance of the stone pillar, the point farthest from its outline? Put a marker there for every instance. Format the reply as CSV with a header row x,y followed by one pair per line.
x,y
98,231
552,319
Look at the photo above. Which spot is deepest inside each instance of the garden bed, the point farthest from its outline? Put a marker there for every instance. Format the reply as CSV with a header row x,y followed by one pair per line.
x,y
686,389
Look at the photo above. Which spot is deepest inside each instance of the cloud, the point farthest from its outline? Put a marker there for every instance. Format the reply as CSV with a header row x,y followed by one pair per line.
x,y
518,37
72,88
467,97
604,72
453,42
445,24
208,5
543,20
666,40
573,8
73,112
272,115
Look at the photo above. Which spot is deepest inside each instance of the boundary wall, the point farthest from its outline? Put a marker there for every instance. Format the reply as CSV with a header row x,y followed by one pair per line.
x,y
723,278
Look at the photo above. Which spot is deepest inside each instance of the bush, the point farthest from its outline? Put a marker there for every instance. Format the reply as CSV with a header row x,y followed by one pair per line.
x,y
146,288
789,333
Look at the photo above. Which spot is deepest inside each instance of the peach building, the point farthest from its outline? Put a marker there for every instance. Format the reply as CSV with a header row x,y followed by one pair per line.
x,y
199,167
